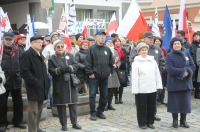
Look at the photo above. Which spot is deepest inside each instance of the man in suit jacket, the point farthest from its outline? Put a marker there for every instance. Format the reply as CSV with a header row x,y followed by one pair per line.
x,y
33,71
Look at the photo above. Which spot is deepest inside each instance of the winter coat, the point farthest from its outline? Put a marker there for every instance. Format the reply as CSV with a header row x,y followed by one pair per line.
x,y
145,75
177,63
198,63
11,66
113,80
99,61
33,71
155,51
194,46
63,91
21,49
80,58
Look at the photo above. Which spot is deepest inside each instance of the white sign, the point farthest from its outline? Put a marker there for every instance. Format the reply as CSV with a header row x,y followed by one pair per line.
x,y
95,23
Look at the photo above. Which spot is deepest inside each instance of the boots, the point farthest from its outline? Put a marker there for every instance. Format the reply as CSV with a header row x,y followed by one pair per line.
x,y
175,120
116,95
120,95
183,122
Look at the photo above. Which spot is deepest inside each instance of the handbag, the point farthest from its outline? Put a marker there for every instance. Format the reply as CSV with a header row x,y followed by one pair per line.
x,y
122,77
2,89
75,81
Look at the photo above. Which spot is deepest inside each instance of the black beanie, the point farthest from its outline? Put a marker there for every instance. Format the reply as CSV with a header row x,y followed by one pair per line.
x,y
78,35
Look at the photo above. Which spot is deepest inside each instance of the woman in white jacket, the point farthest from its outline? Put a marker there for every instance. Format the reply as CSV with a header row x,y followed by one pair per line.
x,y
146,80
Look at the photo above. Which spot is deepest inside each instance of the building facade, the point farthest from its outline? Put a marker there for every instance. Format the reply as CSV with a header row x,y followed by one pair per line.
x,y
85,9
192,11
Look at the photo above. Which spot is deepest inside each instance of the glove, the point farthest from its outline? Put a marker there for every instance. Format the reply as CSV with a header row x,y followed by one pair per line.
x,y
64,70
1,79
71,68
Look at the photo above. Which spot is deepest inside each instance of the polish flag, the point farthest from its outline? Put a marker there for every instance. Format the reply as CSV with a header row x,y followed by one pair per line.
x,y
84,31
133,24
182,25
112,26
67,42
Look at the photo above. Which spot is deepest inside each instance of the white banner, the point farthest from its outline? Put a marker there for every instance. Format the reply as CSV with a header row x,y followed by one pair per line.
x,y
95,23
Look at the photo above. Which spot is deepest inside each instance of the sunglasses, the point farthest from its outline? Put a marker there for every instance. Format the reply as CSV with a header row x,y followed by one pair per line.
x,y
60,46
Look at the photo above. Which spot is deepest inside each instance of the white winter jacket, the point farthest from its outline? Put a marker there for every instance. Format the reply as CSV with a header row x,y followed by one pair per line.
x,y
145,75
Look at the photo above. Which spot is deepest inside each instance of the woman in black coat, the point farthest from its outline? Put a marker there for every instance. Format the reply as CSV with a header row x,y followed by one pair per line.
x,y
180,68
60,66
80,58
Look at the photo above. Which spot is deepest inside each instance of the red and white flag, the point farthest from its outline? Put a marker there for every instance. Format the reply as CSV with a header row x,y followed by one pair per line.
x,y
133,24
182,17
112,26
84,31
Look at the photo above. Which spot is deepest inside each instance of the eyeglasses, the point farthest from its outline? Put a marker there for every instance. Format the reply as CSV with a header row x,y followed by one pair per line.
x,y
60,46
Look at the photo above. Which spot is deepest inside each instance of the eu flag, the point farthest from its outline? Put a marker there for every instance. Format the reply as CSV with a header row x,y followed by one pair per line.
x,y
167,29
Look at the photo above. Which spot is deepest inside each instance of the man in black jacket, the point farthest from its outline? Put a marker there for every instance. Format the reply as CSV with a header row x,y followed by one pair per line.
x,y
194,46
99,66
11,68
33,71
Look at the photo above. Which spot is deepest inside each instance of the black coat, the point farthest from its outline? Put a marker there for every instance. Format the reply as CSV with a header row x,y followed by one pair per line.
x,y
11,67
80,58
99,61
33,71
63,92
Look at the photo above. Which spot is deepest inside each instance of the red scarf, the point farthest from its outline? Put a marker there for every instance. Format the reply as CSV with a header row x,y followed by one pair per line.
x,y
120,52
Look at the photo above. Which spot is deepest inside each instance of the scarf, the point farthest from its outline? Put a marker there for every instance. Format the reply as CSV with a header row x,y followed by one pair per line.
x,y
120,52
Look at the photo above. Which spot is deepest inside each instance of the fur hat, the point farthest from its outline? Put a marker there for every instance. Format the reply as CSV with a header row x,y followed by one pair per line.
x,y
141,45
57,42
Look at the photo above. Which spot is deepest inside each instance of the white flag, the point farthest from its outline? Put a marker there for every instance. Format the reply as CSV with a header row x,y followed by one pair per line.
x,y
174,28
63,21
30,32
72,18
155,28
5,22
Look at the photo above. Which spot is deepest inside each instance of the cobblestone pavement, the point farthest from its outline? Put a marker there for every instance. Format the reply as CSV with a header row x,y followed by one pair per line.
x,y
123,119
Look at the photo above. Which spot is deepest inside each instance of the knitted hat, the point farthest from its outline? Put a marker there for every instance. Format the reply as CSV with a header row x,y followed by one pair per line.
x,y
108,38
141,45
57,42
175,39
78,35
19,37
54,33
84,41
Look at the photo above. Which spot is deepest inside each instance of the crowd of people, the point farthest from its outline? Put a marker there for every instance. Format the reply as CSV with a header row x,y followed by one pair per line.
x,y
103,64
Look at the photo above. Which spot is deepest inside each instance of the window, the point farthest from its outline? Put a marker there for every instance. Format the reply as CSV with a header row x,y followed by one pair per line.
x,y
82,14
105,15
